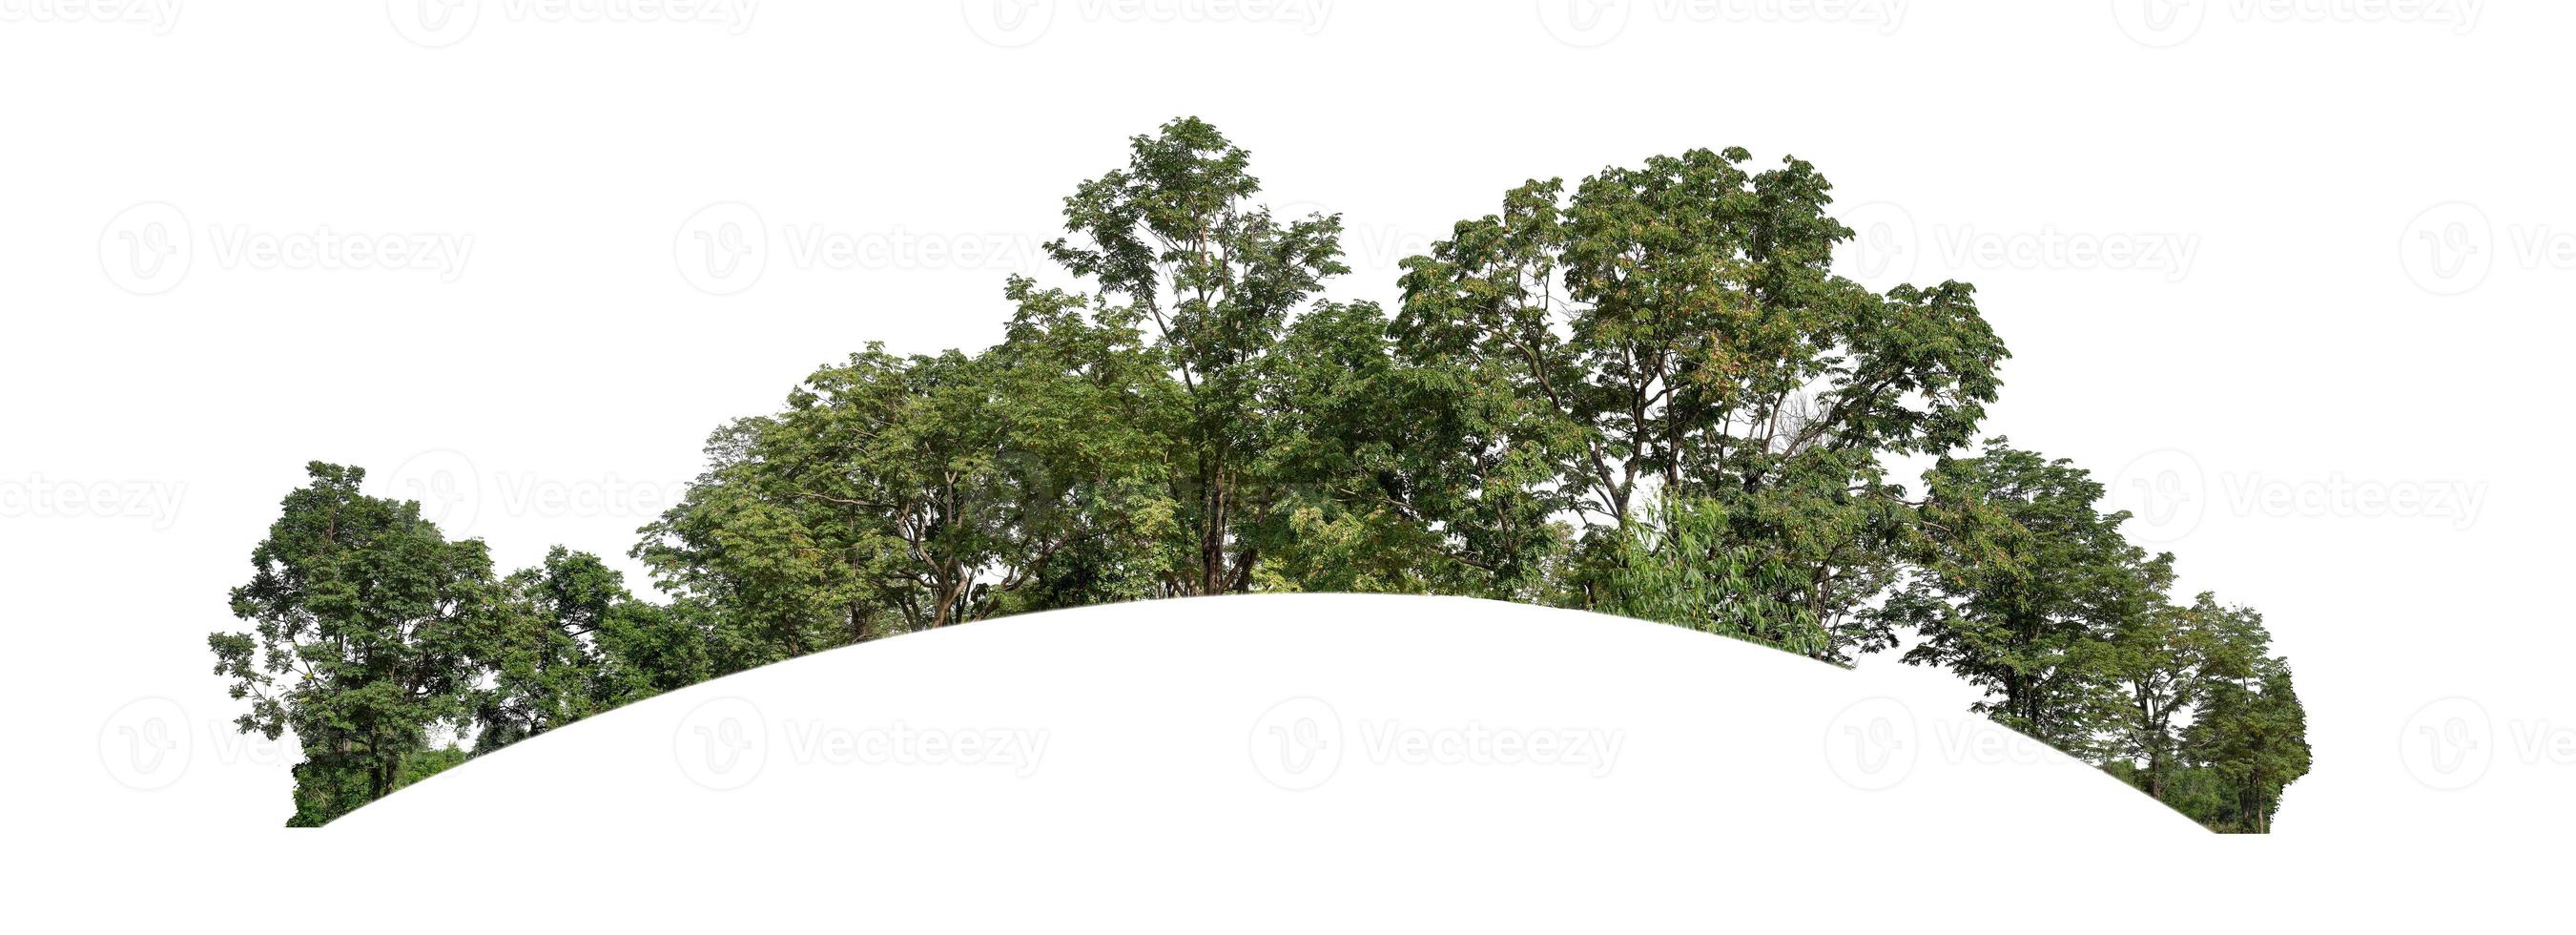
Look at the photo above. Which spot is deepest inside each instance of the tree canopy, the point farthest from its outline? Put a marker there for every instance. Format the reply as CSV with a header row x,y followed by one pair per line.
x,y
1645,393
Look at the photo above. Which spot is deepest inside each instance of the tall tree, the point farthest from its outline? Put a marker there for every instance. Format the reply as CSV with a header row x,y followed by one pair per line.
x,y
1177,238
2017,579
2253,735
1673,331
363,624
2166,661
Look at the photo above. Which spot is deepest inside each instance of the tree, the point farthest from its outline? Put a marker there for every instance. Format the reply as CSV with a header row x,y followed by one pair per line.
x,y
1648,396
363,624
1176,237
2253,736
1088,416
2166,660
1673,330
1680,566
2016,579
571,643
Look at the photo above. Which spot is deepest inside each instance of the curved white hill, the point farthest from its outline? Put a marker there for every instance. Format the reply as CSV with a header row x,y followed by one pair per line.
x,y
1287,715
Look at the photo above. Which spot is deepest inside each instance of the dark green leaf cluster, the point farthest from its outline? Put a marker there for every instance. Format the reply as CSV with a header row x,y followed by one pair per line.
x,y
381,644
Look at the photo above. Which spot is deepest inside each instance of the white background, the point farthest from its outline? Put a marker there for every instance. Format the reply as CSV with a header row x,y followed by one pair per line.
x,y
2291,277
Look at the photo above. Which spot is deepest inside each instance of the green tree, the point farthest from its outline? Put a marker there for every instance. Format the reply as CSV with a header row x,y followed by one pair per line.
x,y
1673,330
2017,578
1177,239
2252,735
573,643
363,625
2166,661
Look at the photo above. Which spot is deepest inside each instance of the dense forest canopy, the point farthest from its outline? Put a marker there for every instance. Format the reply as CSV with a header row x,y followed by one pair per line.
x,y
1648,395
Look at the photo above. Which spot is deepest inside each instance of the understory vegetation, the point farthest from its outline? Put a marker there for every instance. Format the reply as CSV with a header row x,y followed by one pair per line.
x,y
1643,394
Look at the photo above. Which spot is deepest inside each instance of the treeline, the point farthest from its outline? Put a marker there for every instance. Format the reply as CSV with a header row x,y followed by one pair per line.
x,y
1646,395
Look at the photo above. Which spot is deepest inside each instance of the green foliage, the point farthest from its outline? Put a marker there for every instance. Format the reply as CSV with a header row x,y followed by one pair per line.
x,y
1682,565
2015,576
1647,395
372,636
364,624
1673,331
2020,585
